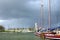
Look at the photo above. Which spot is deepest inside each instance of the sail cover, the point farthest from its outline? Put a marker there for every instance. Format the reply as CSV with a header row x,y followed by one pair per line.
x,y
53,28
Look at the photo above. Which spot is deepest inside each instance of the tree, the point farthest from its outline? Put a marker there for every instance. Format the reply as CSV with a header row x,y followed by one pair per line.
x,y
2,29
31,29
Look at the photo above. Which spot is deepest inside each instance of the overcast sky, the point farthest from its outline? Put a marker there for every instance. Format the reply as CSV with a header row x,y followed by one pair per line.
x,y
24,13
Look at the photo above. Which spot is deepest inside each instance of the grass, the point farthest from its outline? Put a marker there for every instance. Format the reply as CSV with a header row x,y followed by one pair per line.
x,y
18,36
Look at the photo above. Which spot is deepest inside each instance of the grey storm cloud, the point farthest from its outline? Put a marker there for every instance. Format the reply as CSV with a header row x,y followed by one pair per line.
x,y
18,13
29,11
18,23
18,8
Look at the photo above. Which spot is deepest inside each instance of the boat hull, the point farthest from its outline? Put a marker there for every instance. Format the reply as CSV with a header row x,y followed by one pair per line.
x,y
48,35
52,36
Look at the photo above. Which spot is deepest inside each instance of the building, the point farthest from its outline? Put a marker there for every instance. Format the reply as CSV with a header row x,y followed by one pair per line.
x,y
21,30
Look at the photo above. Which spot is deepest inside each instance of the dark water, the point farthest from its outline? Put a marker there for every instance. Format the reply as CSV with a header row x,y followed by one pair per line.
x,y
18,36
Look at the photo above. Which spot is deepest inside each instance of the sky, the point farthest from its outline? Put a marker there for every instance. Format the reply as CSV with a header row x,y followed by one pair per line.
x,y
24,13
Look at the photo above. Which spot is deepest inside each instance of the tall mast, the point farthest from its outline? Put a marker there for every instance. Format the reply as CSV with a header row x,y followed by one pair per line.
x,y
49,14
41,11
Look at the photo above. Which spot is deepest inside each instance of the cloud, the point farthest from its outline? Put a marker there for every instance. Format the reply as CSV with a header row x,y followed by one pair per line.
x,y
33,5
18,23
16,9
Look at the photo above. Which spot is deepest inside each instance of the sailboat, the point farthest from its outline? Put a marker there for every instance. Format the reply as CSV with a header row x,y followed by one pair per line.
x,y
52,33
